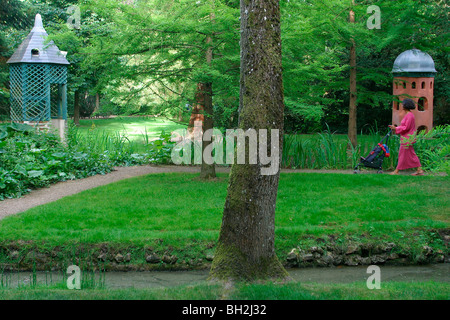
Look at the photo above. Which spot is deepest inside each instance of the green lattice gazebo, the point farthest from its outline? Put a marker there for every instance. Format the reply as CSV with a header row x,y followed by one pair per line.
x,y
38,81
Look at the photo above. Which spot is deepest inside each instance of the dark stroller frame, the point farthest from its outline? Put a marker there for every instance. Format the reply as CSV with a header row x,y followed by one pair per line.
x,y
376,156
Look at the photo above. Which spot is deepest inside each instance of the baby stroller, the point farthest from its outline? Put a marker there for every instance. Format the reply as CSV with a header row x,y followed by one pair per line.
x,y
376,156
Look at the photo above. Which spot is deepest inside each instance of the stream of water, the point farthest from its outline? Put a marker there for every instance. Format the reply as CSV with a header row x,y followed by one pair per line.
x,y
141,280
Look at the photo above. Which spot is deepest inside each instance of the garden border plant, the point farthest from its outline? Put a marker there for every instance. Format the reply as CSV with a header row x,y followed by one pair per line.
x,y
31,160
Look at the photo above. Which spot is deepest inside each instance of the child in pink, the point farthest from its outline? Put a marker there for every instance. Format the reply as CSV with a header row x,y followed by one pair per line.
x,y
407,157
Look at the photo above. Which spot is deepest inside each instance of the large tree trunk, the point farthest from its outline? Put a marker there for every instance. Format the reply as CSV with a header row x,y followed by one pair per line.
x,y
245,248
76,108
352,106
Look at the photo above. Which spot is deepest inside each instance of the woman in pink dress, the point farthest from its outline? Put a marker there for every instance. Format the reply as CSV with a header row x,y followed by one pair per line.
x,y
407,157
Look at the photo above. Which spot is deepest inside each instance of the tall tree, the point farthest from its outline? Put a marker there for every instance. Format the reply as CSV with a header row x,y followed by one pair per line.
x,y
317,38
352,109
245,248
208,170
14,24
187,48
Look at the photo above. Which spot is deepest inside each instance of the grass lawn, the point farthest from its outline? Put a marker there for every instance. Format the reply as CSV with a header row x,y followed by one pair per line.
x,y
177,211
178,214
263,291
134,128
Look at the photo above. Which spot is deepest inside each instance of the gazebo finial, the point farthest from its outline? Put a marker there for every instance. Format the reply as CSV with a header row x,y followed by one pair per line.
x,y
38,26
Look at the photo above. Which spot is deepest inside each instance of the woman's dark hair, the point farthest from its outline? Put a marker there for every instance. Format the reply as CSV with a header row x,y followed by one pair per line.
x,y
408,104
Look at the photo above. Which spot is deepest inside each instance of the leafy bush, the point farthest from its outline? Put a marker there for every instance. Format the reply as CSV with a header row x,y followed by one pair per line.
x,y
160,150
433,149
30,160
119,150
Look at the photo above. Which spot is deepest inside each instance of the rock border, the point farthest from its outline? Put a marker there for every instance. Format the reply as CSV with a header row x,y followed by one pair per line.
x,y
29,256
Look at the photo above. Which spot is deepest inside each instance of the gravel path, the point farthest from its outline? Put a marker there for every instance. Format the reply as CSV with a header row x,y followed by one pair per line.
x,y
67,188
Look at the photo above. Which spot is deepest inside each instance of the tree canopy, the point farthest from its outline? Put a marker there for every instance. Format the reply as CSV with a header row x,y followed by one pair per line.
x,y
147,56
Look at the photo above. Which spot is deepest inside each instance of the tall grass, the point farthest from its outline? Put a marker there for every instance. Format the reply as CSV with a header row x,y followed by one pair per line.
x,y
331,151
12,276
35,279
325,150
433,148
100,141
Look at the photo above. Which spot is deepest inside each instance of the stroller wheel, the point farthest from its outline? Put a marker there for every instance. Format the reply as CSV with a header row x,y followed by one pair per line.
x,y
356,171
380,171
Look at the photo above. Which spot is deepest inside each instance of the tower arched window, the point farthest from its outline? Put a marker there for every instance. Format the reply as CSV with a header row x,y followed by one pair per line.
x,y
422,104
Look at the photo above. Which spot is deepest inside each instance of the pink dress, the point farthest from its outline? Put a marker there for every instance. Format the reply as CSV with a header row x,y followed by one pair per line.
x,y
407,157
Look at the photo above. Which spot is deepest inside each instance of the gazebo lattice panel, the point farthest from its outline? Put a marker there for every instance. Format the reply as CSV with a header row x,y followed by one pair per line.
x,y
35,91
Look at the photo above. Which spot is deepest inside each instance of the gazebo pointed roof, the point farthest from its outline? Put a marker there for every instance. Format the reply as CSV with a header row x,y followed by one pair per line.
x,y
45,53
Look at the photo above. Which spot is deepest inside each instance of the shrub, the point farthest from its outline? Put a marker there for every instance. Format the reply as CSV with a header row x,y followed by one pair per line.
x,y
433,149
119,150
30,160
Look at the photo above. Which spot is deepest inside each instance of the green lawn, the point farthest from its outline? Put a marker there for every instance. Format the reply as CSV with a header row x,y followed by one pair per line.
x,y
179,207
263,291
134,128
178,214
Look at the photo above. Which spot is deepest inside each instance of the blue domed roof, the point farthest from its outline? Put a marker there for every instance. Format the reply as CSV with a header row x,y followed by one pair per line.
x,y
414,62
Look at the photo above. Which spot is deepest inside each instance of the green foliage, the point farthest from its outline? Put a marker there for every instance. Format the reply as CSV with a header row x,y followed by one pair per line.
x,y
331,151
30,160
160,150
433,149
162,52
316,40
12,22
111,137
147,56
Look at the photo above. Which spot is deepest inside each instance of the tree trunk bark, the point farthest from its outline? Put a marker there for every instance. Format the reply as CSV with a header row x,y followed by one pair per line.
x,y
76,108
208,171
352,130
97,102
198,109
245,249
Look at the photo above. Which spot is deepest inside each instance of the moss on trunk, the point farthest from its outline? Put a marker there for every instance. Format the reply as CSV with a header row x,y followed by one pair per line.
x,y
246,244
232,264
